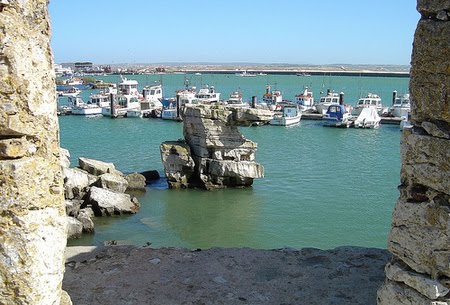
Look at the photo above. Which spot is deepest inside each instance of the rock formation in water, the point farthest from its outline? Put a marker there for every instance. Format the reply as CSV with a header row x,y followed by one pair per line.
x,y
214,154
420,236
32,217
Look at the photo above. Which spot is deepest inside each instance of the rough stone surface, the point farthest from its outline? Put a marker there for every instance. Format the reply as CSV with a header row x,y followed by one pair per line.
x,y
113,182
76,182
106,203
32,217
179,166
85,217
222,156
136,181
74,228
65,157
130,275
420,236
96,167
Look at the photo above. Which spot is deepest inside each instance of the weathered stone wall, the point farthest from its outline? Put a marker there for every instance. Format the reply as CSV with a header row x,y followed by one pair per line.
x,y
420,235
32,217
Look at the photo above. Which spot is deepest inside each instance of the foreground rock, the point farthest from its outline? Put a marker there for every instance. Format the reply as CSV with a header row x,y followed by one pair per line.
x,y
221,156
129,275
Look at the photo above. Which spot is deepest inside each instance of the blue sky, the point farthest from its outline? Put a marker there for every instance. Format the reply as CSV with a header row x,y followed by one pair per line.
x,y
256,31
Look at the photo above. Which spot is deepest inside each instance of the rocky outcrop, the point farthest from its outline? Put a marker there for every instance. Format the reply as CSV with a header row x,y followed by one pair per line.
x,y
420,234
222,156
32,217
99,192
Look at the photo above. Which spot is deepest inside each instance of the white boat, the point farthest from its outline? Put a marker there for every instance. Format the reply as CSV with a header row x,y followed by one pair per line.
x,y
79,107
305,100
127,98
72,91
149,104
289,114
171,113
207,95
184,97
401,106
272,98
371,100
235,100
332,98
368,118
337,116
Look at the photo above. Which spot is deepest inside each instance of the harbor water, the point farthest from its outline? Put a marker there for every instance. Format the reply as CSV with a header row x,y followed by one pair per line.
x,y
323,187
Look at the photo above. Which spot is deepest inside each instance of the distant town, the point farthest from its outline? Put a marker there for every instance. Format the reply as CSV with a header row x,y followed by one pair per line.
x,y
89,68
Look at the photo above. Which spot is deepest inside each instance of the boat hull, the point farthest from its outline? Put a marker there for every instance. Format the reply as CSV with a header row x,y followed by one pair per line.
x,y
87,111
285,121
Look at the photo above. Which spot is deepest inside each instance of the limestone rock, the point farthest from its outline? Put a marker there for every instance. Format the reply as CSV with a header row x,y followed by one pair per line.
x,y
436,130
73,207
426,161
64,156
76,182
74,228
113,182
96,167
428,7
178,163
221,156
13,148
136,181
85,217
400,294
432,289
106,202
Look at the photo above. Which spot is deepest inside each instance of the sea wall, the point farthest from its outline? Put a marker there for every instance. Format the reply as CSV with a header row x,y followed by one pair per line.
x,y
32,216
420,236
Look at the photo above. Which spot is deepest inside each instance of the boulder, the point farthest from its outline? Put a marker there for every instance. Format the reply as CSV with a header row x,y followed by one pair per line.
x,y
85,217
150,176
107,202
113,182
178,163
136,181
76,182
96,167
74,228
73,207
64,157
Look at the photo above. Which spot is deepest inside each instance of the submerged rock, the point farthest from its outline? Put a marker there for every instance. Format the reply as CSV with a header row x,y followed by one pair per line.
x,y
136,182
178,164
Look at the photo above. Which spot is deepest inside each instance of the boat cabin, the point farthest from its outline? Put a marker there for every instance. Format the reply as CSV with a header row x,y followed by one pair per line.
x,y
336,111
128,87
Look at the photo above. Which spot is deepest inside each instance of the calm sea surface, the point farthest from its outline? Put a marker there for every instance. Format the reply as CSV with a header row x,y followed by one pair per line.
x,y
323,187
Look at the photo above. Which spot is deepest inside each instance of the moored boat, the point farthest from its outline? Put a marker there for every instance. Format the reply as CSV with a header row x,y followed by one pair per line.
x,y
368,118
305,100
79,107
331,98
401,106
272,98
235,100
207,95
288,115
127,98
71,91
370,100
337,116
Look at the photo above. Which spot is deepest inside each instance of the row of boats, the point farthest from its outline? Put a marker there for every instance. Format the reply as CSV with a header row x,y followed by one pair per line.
x,y
125,100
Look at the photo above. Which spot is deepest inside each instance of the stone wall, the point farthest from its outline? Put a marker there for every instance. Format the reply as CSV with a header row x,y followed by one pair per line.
x,y
420,235
32,217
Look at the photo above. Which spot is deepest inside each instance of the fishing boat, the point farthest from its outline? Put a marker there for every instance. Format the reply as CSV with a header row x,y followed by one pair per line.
x,y
71,91
149,104
305,100
288,115
245,74
73,82
184,97
337,116
272,98
368,118
331,98
235,100
401,106
79,107
370,100
127,98
207,95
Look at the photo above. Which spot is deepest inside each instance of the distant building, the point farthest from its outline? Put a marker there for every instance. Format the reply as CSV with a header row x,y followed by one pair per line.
x,y
83,66
62,71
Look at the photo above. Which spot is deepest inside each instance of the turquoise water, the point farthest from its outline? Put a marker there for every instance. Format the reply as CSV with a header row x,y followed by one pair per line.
x,y
323,187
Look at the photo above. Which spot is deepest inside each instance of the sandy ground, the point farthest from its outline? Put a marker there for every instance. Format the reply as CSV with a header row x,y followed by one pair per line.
x,y
130,275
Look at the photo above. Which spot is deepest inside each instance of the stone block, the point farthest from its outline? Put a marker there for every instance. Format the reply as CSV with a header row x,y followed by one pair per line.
x,y
135,182
15,148
76,182
400,294
106,203
113,182
428,287
96,167
74,228
426,161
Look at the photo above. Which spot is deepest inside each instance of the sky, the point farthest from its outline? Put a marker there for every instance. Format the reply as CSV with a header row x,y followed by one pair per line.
x,y
234,31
